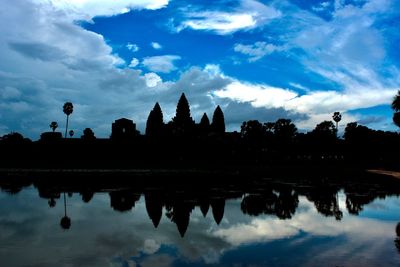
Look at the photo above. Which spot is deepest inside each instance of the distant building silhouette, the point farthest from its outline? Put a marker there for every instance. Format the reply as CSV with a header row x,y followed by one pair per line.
x,y
218,121
204,125
182,123
155,122
123,129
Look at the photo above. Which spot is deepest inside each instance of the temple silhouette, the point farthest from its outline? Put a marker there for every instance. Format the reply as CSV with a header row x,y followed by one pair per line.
x,y
182,143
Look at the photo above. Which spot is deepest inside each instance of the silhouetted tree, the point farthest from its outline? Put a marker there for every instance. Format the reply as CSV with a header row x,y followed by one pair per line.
x,y
337,117
68,108
396,102
218,121
71,133
155,122
325,130
252,130
396,108
88,134
53,125
284,130
13,137
182,122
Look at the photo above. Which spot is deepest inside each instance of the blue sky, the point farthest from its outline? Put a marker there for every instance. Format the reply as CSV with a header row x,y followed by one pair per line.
x,y
262,60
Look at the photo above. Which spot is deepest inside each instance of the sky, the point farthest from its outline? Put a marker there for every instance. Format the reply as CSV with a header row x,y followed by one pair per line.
x,y
263,60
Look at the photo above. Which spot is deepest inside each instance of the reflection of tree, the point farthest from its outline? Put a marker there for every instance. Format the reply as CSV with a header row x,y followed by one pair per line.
x,y
282,205
87,195
123,200
397,240
325,201
357,196
52,202
65,222
286,203
258,204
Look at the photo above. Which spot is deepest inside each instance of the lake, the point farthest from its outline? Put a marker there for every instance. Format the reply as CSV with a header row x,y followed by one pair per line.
x,y
265,222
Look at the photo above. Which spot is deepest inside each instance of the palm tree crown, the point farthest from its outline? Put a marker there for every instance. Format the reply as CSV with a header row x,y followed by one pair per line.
x,y
53,125
68,108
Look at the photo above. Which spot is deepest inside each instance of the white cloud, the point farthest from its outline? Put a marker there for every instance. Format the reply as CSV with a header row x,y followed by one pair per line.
x,y
164,64
134,62
257,50
156,45
248,15
132,47
87,9
152,79
258,95
317,105
220,22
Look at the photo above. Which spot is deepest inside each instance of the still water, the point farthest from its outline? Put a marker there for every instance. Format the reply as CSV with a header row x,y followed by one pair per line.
x,y
266,224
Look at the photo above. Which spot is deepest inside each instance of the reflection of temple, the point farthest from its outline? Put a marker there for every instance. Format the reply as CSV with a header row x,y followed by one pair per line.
x,y
179,213
154,208
218,208
123,129
277,198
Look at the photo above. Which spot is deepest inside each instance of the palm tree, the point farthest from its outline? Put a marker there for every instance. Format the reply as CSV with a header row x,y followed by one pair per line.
x,y
396,108
337,117
53,125
68,108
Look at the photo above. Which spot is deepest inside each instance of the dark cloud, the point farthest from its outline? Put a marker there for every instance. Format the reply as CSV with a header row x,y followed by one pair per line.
x,y
371,120
39,51
236,113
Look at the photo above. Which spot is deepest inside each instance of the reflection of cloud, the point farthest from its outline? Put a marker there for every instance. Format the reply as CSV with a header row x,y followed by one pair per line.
x,y
257,230
102,231
150,246
310,222
162,260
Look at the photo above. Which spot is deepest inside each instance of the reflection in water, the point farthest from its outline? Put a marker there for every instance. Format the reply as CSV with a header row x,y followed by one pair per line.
x,y
65,222
244,220
397,240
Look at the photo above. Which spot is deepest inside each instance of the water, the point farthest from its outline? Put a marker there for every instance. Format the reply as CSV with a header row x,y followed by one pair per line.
x,y
271,224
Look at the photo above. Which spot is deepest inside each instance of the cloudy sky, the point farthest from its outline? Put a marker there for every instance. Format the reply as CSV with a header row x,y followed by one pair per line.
x,y
262,60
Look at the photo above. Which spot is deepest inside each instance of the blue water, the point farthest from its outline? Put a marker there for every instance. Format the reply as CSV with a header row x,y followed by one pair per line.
x,y
31,235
